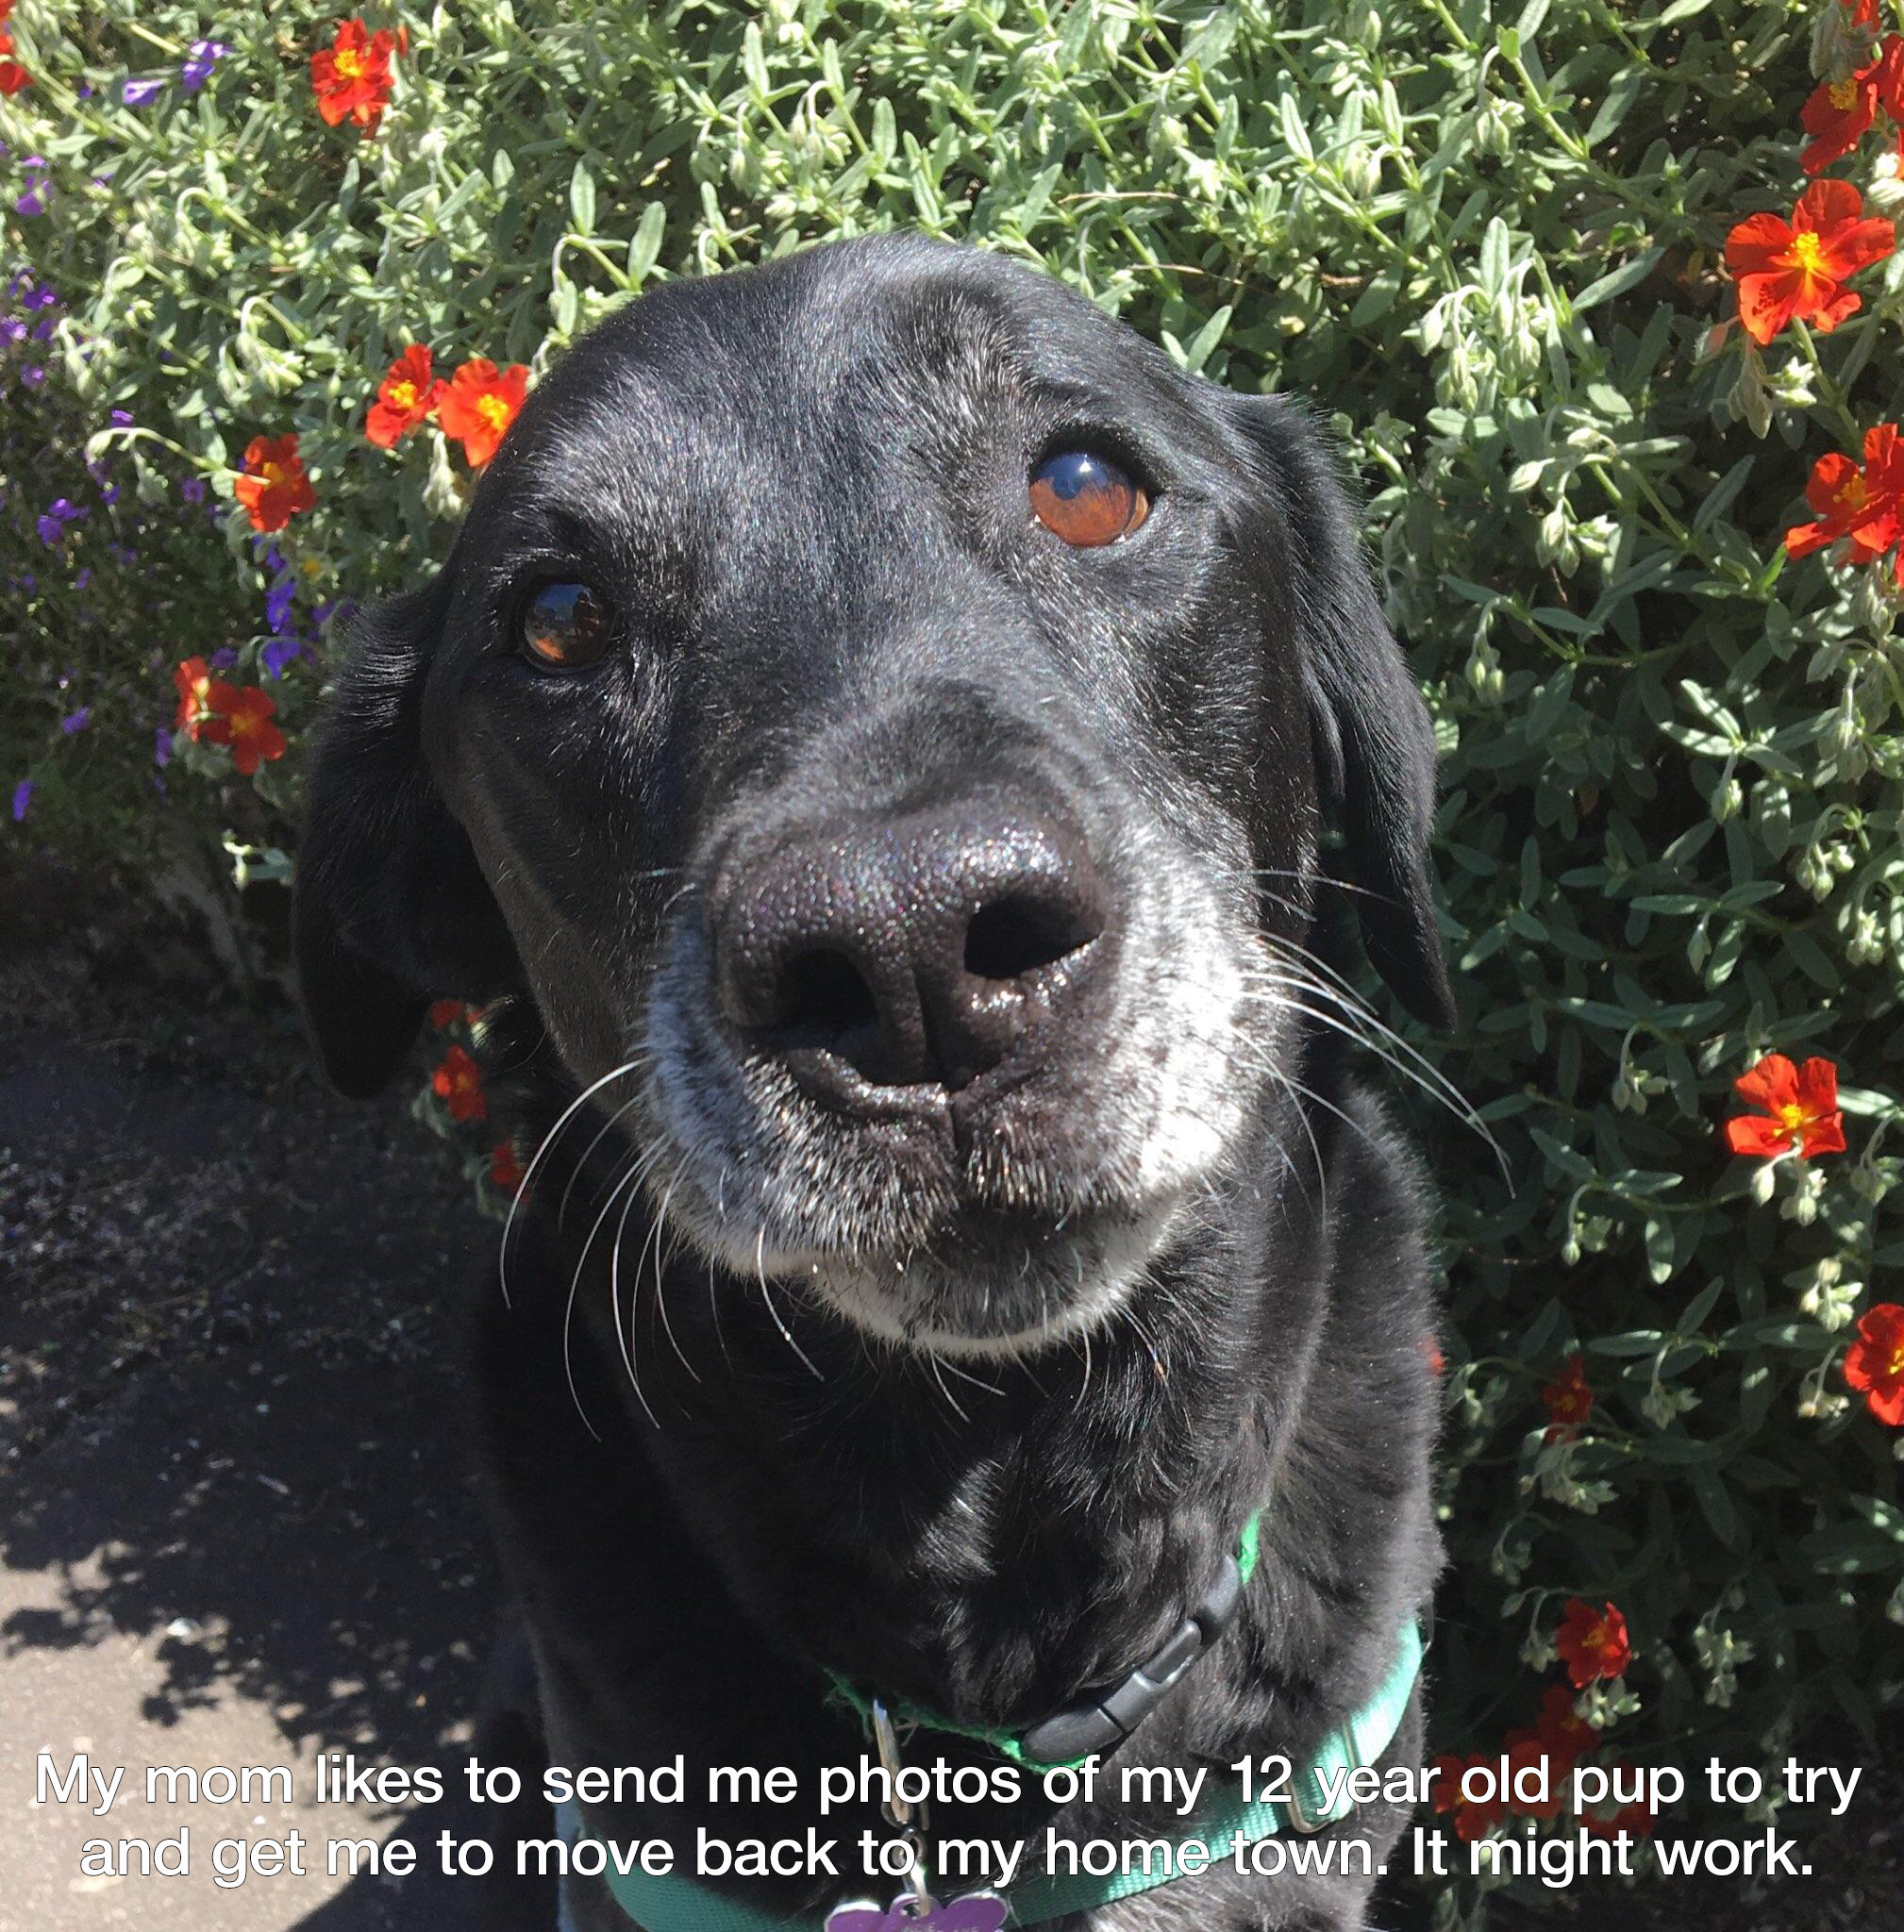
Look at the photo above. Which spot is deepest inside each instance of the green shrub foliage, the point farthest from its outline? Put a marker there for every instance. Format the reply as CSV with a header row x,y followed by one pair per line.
x,y
1494,252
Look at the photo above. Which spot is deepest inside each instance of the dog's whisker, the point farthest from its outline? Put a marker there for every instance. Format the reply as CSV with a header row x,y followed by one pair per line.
x,y
626,1339
661,1261
773,1308
536,1160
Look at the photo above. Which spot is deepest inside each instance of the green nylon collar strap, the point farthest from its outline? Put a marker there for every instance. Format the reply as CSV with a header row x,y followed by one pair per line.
x,y
670,1903
1075,1736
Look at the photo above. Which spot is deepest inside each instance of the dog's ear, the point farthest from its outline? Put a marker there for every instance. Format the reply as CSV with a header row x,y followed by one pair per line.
x,y
391,908
1373,741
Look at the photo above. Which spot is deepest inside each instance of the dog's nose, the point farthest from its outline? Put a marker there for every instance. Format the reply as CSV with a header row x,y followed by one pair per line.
x,y
918,950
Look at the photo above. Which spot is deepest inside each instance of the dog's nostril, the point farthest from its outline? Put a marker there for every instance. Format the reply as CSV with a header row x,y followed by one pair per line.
x,y
1012,937
821,998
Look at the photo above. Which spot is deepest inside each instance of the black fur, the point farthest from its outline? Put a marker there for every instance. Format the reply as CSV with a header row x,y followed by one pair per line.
x,y
802,487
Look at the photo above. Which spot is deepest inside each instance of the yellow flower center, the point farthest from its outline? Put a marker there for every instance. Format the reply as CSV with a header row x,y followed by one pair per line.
x,y
273,475
1896,1372
494,410
350,63
1808,252
1791,1116
1854,496
1843,94
403,396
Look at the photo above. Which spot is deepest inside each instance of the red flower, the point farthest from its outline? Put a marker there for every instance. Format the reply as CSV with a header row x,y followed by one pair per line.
x,y
273,487
1890,77
458,1085
408,396
1873,1364
1474,1817
14,77
1568,1399
1524,1748
1593,1643
1864,504
1798,269
242,719
1799,1108
480,404
1837,115
506,1171
1566,1736
351,76
1430,1349
447,1012
1863,12
195,685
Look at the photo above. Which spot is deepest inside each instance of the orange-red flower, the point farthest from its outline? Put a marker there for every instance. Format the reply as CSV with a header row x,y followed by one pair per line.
x,y
1890,77
480,404
1593,1643
242,719
13,77
1798,1109
1474,1817
1568,1398
195,684
1864,502
1798,269
1863,12
458,1084
406,396
1523,1749
1566,1735
447,1012
274,487
506,1171
1837,116
1873,1364
351,76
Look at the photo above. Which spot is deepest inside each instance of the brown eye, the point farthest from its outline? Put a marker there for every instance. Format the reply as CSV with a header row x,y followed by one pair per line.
x,y
565,626
1084,501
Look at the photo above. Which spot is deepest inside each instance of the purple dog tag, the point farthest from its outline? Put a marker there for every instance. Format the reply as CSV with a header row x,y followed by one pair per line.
x,y
977,1911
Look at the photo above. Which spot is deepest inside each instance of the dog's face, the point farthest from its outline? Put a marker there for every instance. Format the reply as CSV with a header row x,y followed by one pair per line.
x,y
886,715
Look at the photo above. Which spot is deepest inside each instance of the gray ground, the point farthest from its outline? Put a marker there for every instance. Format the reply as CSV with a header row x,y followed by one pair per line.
x,y
238,1524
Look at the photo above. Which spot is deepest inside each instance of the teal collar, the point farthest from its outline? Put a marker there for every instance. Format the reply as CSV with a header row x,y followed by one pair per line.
x,y
1317,1795
1106,1718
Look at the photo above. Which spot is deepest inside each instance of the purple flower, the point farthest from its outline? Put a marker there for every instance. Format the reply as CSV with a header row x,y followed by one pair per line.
x,y
13,329
84,579
33,376
223,659
278,601
51,525
135,94
77,722
280,652
206,54
121,419
110,494
33,202
45,296
162,747
193,490
23,797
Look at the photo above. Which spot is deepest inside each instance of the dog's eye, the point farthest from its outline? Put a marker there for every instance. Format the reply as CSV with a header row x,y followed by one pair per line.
x,y
1085,501
565,626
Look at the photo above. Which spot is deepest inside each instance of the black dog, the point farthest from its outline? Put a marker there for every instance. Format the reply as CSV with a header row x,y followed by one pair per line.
x,y
881,719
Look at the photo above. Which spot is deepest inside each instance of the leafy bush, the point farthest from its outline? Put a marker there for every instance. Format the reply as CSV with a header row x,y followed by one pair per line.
x,y
1673,751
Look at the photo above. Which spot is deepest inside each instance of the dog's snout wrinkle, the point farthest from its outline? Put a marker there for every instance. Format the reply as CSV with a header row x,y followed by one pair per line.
x,y
918,952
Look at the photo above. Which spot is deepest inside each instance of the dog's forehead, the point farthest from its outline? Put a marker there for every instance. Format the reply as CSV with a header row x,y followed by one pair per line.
x,y
854,353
